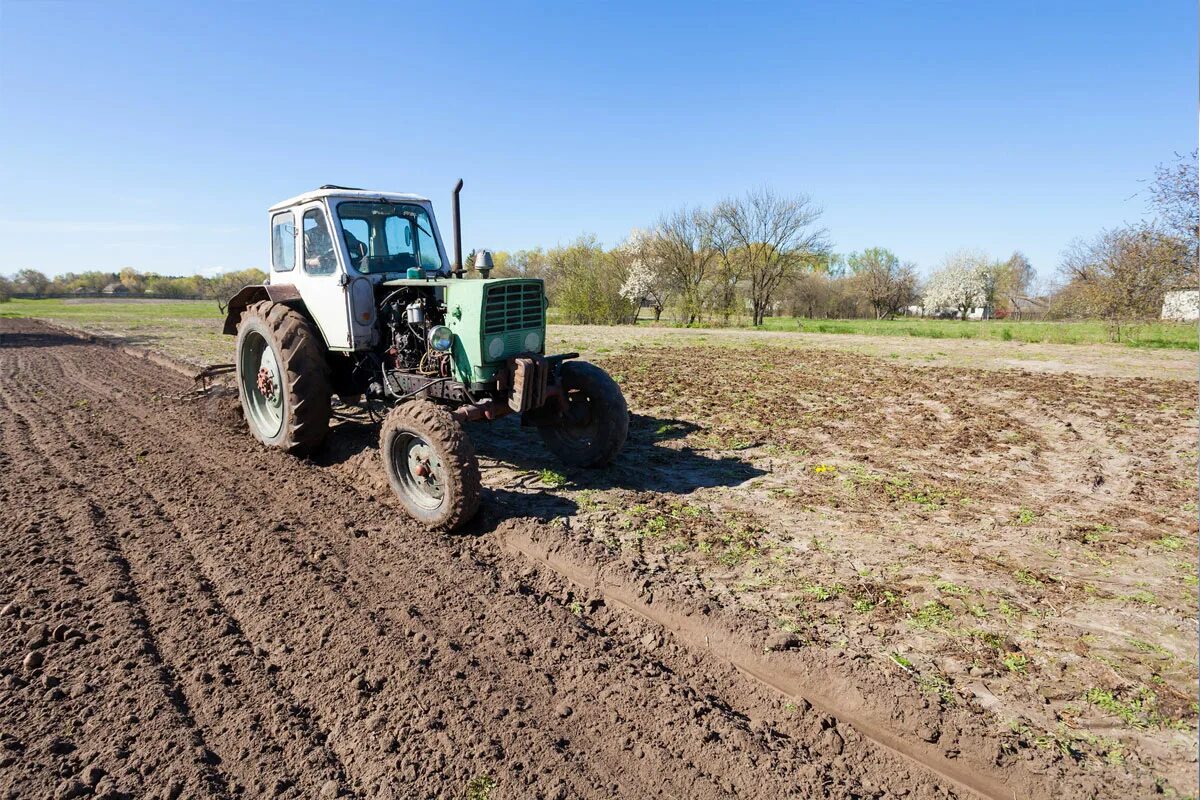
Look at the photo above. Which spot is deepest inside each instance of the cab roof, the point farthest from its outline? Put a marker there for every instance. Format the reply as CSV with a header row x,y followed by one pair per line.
x,y
346,193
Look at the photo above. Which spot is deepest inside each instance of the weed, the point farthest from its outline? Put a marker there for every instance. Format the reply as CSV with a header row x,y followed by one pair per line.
x,y
1015,662
654,527
901,661
863,606
480,787
821,593
936,684
934,614
1138,709
946,587
1025,516
1141,597
1148,647
1026,578
1169,543
552,479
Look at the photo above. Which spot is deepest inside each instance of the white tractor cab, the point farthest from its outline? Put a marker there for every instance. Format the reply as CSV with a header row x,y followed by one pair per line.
x,y
362,302
379,236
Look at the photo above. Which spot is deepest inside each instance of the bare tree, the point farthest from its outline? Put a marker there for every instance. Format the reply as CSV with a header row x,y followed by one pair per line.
x,y
883,280
1016,278
1175,195
768,238
685,250
1122,275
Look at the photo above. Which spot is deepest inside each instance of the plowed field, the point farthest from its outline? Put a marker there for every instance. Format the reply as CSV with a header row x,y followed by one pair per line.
x,y
843,578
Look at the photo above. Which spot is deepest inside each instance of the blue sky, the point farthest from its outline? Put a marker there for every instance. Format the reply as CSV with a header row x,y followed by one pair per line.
x,y
155,135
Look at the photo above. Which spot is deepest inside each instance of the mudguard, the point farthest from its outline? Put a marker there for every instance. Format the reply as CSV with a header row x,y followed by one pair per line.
x,y
284,293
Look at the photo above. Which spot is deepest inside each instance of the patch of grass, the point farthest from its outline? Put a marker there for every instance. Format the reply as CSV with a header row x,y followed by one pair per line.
x,y
1169,543
901,661
1025,516
1153,334
1138,708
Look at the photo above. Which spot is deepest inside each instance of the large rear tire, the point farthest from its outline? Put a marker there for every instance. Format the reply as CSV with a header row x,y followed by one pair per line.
x,y
430,464
594,427
283,378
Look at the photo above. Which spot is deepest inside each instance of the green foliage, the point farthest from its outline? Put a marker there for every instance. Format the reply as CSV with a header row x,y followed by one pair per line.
x,y
480,787
587,285
552,478
132,284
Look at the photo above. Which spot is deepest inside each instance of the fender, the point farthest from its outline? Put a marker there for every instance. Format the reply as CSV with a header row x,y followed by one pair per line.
x,y
283,293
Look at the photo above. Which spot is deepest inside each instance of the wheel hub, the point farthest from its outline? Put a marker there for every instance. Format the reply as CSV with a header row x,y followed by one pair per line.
x,y
422,466
266,383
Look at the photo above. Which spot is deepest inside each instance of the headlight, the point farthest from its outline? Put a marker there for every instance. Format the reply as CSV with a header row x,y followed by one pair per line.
x,y
495,347
440,338
533,341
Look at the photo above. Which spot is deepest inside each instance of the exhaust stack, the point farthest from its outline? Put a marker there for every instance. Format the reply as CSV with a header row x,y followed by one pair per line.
x,y
458,265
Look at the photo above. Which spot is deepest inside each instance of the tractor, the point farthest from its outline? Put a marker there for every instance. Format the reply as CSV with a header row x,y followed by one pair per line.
x,y
363,304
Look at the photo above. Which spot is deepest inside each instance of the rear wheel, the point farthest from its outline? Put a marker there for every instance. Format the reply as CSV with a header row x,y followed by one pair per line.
x,y
596,422
283,379
430,464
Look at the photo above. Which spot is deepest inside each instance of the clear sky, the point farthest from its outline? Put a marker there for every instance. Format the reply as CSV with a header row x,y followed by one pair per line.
x,y
155,135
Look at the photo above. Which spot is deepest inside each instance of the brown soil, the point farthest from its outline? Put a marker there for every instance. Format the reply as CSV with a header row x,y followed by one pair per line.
x,y
187,614
207,618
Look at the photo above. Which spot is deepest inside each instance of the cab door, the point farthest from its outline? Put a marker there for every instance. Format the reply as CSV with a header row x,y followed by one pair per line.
x,y
322,278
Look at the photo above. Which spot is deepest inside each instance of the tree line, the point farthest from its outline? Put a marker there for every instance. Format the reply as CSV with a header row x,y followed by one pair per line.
x,y
128,281
765,254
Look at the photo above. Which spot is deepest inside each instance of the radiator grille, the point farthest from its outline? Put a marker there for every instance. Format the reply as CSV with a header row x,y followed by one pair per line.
x,y
513,306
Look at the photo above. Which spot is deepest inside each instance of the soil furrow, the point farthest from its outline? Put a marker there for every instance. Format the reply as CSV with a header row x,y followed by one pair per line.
x,y
135,702
428,665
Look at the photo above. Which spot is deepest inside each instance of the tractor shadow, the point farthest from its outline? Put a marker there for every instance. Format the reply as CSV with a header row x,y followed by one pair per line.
x,y
646,463
513,458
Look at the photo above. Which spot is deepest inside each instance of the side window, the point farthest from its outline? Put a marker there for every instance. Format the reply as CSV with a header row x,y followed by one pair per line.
x,y
318,244
398,231
430,259
283,242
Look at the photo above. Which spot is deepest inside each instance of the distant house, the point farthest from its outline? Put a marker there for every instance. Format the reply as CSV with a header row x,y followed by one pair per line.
x,y
1028,307
1181,305
116,287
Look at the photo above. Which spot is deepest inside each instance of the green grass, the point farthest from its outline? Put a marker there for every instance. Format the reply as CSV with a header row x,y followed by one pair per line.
x,y
1179,335
115,312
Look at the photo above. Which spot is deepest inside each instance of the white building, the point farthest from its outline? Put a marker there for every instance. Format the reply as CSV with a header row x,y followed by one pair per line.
x,y
1182,305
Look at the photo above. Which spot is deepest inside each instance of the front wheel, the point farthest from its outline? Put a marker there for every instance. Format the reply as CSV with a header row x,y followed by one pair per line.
x,y
430,464
594,426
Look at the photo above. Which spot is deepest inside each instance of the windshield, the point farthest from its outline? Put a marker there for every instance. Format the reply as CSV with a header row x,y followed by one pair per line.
x,y
389,237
